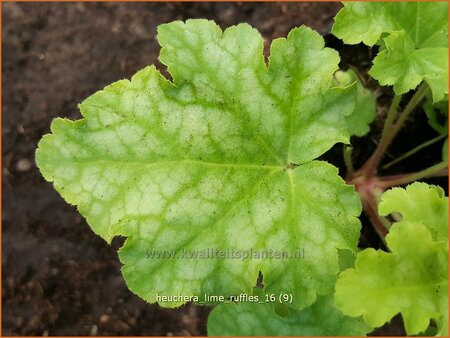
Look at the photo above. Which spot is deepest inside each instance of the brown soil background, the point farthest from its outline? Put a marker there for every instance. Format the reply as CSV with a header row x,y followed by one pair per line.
x,y
58,277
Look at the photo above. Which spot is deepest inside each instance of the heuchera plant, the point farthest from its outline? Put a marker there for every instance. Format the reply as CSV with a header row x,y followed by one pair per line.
x,y
225,156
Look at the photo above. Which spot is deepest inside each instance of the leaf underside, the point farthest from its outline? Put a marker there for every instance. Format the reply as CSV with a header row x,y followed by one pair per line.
x,y
413,39
220,158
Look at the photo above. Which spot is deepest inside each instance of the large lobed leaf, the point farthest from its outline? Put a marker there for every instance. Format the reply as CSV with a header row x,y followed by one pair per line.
x,y
222,158
412,279
413,40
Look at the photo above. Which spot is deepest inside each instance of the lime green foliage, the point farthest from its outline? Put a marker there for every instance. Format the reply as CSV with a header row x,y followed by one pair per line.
x,y
413,278
365,105
412,38
253,319
421,203
222,158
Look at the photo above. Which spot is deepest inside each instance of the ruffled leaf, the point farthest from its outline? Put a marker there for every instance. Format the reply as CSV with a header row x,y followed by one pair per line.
x,y
413,39
419,202
219,160
412,279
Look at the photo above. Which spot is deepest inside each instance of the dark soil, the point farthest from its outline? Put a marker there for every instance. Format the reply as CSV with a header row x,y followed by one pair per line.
x,y
58,277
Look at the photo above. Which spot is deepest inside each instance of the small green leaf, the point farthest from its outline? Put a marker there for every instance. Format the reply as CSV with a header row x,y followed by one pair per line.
x,y
413,278
437,115
253,319
413,39
419,202
365,105
221,159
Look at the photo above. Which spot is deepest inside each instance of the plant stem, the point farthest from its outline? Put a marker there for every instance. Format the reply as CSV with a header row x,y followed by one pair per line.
x,y
414,150
415,100
392,128
440,169
380,223
348,160
370,166
367,184
370,192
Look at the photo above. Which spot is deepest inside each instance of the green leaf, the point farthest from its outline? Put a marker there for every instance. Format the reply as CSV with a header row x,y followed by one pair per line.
x,y
413,278
255,319
437,115
221,159
365,105
346,259
419,202
413,39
